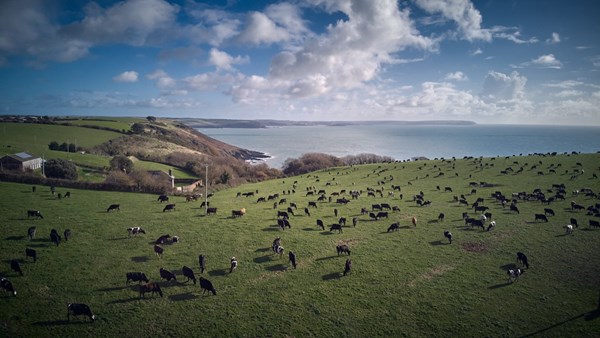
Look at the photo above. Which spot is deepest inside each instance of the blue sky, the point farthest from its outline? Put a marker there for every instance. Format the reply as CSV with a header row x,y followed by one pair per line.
x,y
495,61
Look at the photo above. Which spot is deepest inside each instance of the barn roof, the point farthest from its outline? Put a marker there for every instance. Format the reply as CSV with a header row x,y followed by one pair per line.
x,y
22,156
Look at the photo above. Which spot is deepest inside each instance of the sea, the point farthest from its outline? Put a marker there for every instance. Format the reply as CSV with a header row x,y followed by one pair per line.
x,y
405,142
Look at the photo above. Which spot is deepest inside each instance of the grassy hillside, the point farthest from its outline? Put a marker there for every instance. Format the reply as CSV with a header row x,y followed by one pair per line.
x,y
405,283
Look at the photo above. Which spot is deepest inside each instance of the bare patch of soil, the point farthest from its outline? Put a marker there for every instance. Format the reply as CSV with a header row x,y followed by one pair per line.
x,y
474,247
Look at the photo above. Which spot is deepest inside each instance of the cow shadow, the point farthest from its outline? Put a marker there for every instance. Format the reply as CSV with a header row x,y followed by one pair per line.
x,y
117,288
310,229
118,238
497,286
565,234
262,250
275,268
331,276
15,238
588,229
183,296
431,221
20,219
140,259
38,245
509,266
218,272
262,259
124,301
271,229
326,233
438,242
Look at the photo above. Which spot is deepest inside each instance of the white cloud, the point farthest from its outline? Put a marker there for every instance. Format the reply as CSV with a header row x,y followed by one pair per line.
x,y
224,61
511,34
568,93
477,51
466,16
163,80
555,38
128,76
547,61
212,81
502,87
456,76
564,84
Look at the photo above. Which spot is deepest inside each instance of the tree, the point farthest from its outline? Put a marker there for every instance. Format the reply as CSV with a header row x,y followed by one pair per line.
x,y
151,119
121,162
72,147
59,168
224,178
53,145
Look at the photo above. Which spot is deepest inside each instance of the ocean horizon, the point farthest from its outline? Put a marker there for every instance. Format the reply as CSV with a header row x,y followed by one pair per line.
x,y
404,142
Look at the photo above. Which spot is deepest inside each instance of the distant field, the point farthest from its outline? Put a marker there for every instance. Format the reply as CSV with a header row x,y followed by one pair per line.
x,y
117,123
178,173
406,283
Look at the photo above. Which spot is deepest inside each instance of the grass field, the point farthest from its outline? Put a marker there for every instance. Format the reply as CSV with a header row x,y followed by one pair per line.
x,y
146,165
116,123
406,283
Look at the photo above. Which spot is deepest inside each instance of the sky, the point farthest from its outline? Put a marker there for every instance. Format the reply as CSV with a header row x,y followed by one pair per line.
x,y
489,61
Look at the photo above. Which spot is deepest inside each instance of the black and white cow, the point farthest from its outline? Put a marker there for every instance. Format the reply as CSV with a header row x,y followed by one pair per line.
x,y
76,309
115,207
513,274
34,213
394,227
233,264
169,207
135,231
448,235
7,286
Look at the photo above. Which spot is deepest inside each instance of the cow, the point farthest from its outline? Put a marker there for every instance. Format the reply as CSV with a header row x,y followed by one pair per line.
x,y
77,309
189,274
414,221
163,239
34,213
548,211
574,222
347,267
168,275
54,237
7,286
394,227
112,207
594,224
292,258
364,211
206,285
385,206
211,211
541,217
136,277
282,214
373,216
448,235
342,221
135,231
312,204
382,214
163,198
202,263
16,267
158,250
31,253
522,258
569,229
514,208
306,212
150,287
491,225
513,274
205,204
31,232
67,234
441,217
335,212
354,221
278,250
320,224
276,243
233,265
575,206
169,207
447,189
336,227
342,248
478,223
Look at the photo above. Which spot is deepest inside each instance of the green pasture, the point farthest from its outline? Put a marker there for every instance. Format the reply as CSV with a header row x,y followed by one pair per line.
x,y
116,123
146,165
406,283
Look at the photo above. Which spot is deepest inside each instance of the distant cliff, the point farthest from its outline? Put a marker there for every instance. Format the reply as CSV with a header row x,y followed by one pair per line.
x,y
225,123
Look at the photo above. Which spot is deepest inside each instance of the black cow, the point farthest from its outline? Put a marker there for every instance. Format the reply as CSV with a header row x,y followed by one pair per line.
x,y
354,221
163,198
67,234
575,206
514,208
211,211
7,286
320,224
342,221
150,287
477,223
54,237
68,194
449,189
448,235
136,277
337,227
189,274
306,211
16,267
169,207
376,207
541,217
112,207
347,267
34,213
574,222
312,204
31,232
373,216
163,239
342,248
202,263
158,250
282,214
168,275
594,224
521,258
76,309
206,285
31,253
548,211
292,259
385,206
382,214
205,204
394,227
441,217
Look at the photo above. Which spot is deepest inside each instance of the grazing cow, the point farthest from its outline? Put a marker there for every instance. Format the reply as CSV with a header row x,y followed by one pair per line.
x,y
7,286
163,198
136,277
364,211
206,285
163,239
337,227
312,204
279,250
67,234
202,263
575,206
233,265
175,239
354,221
34,213
211,211
513,274
465,215
342,221
342,248
548,211
385,206
394,227
158,250
373,216
514,208
276,243
541,217
205,204
481,208
76,309
68,194
169,207
522,258
16,267
491,225
594,224
347,267
291,211
306,211
31,253
189,274
448,235
150,287
135,231
168,275
574,222
54,237
282,214
382,214
31,232
414,221
488,215
478,223
282,223
112,207
292,258
441,217
569,229
320,224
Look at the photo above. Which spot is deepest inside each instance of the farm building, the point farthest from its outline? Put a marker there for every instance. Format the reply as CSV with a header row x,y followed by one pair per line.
x,y
163,176
21,161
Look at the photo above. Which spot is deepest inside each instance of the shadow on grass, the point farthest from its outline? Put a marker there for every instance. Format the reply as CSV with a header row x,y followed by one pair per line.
x,y
431,221
263,259
183,296
588,229
218,272
263,250
20,219
275,268
585,315
325,258
326,233
436,243
330,276
118,238
62,322
271,229
38,245
140,259
46,240
497,286
565,234
117,288
15,238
